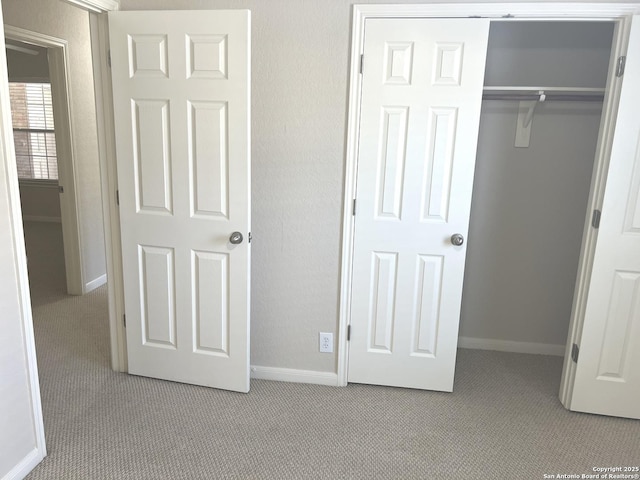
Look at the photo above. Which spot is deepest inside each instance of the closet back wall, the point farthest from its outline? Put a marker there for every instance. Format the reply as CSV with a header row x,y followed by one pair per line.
x,y
529,204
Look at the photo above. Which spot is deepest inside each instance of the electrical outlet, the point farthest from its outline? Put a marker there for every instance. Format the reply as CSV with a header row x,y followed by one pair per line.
x,y
326,342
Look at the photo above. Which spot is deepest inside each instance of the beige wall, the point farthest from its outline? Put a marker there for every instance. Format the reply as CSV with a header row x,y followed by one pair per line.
x,y
63,20
28,68
300,64
40,202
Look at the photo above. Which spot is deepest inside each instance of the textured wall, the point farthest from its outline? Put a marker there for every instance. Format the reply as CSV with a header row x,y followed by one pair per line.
x,y
63,20
299,91
299,107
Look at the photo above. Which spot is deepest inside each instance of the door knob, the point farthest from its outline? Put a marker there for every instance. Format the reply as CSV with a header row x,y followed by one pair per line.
x,y
236,238
457,239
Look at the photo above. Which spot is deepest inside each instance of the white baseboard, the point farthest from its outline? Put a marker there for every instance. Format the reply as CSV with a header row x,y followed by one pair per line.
x,y
95,283
28,463
510,346
39,218
295,376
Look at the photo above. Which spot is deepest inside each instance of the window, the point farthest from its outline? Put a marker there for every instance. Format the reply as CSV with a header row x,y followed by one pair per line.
x,y
33,134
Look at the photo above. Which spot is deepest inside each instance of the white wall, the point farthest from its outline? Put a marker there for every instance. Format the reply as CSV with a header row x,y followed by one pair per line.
x,y
17,427
299,108
21,436
63,20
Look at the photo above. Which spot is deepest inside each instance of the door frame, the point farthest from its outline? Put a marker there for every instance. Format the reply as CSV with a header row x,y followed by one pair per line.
x,y
99,26
57,53
619,13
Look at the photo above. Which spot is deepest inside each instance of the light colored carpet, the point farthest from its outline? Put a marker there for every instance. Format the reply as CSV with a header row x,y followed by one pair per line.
x,y
504,420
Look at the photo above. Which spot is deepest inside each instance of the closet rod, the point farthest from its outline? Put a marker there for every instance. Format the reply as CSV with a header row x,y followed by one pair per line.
x,y
548,97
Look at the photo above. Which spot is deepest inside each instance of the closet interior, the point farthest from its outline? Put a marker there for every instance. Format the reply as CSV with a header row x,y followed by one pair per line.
x,y
540,121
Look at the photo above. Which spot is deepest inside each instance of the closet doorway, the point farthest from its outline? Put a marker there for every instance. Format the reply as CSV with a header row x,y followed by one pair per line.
x,y
541,113
541,126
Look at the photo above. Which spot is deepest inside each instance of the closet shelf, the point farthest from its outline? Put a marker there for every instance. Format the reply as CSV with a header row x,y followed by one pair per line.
x,y
543,93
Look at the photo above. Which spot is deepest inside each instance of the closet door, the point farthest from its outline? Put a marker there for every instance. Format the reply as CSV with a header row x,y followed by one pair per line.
x,y
607,377
420,112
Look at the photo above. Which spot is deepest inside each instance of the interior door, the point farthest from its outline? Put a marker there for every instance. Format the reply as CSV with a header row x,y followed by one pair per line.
x,y
420,112
607,379
181,104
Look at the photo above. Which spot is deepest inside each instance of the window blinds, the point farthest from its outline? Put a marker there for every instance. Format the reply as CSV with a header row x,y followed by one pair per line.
x,y
33,130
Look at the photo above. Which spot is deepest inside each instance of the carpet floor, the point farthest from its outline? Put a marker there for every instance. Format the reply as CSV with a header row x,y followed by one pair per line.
x,y
504,420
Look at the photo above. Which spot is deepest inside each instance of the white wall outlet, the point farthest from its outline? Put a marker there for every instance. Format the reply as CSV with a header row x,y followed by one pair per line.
x,y
326,342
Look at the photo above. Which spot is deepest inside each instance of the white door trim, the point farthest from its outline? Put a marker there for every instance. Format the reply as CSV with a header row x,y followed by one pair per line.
x,y
57,50
109,182
97,6
527,11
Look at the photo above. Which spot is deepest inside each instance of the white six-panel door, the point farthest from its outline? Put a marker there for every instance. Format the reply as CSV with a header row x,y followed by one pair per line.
x,y
421,97
181,104
607,379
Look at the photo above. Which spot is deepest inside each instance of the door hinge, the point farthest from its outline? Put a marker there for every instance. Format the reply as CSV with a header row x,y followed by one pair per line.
x,y
249,239
361,64
620,66
124,321
109,58
60,189
117,197
354,207
348,332
595,219
575,351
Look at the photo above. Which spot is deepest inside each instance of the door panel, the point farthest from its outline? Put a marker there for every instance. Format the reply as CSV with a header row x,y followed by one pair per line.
x,y
420,112
607,377
181,100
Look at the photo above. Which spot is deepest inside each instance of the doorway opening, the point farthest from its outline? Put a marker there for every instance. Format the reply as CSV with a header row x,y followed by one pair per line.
x,y
36,158
44,153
